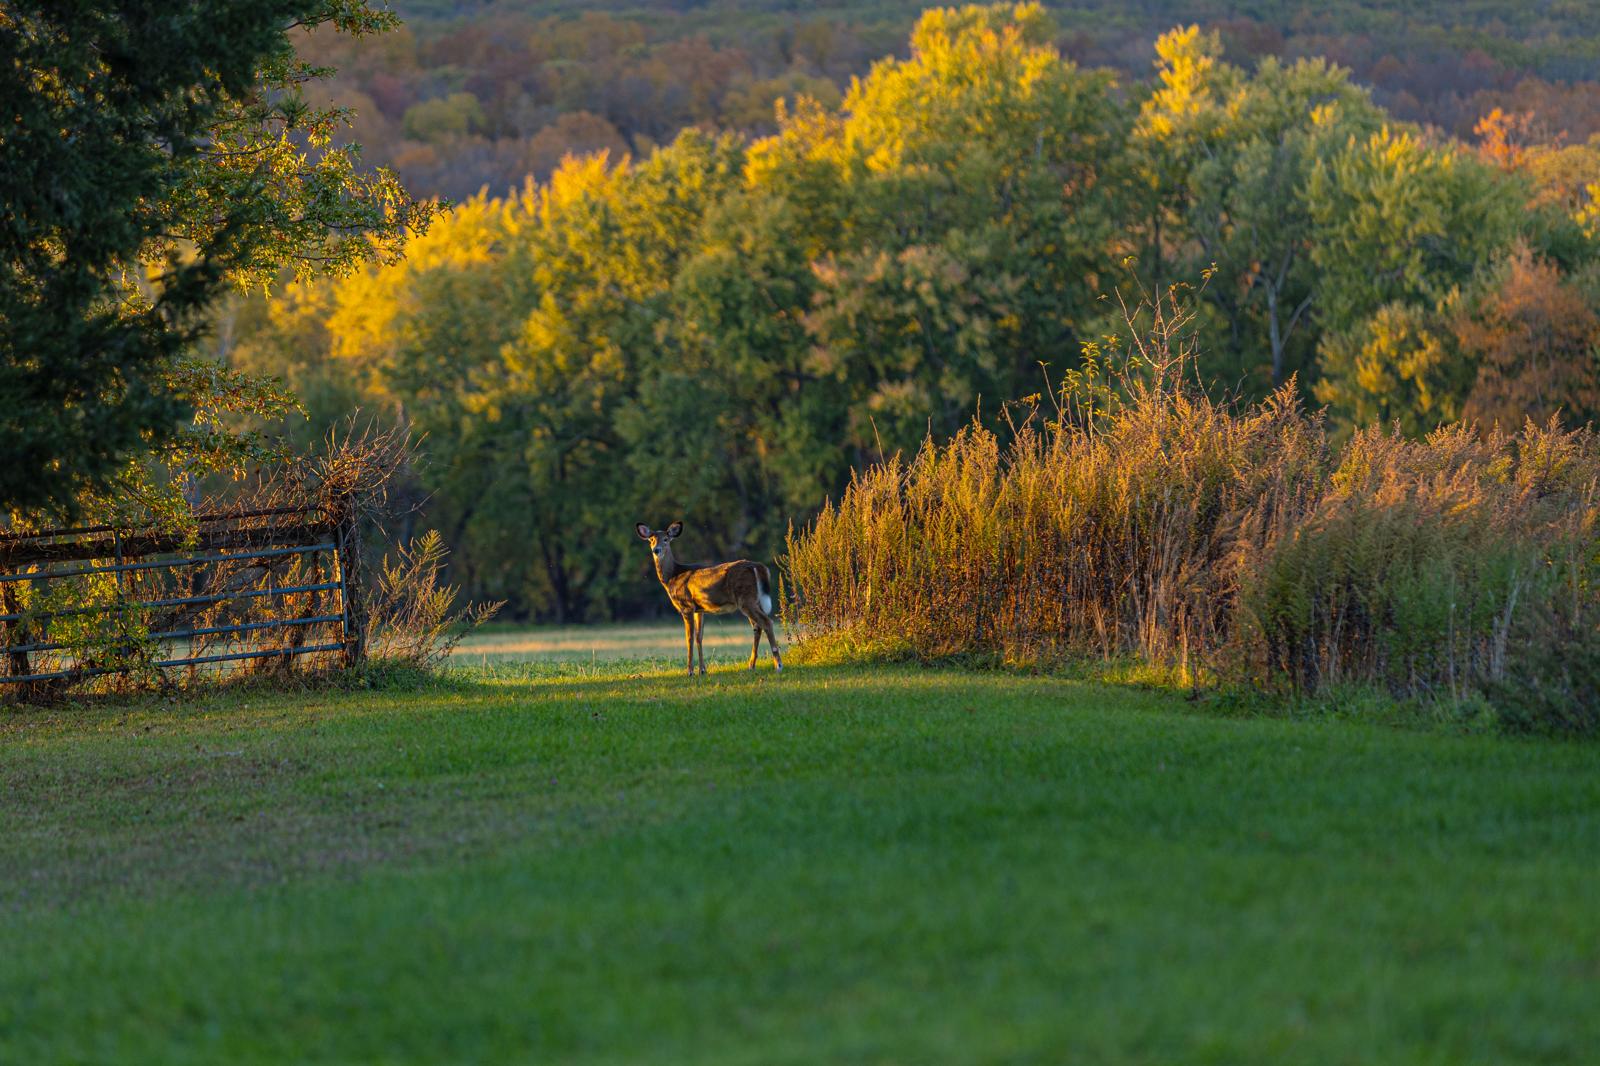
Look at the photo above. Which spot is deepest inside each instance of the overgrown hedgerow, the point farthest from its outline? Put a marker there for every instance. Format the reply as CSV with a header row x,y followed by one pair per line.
x,y
1228,544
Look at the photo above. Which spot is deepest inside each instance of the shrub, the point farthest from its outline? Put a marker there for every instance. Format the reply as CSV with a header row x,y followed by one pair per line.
x,y
1429,566
1227,543
413,622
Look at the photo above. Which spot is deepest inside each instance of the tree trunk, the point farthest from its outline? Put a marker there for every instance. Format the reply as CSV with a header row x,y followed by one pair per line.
x,y
1276,335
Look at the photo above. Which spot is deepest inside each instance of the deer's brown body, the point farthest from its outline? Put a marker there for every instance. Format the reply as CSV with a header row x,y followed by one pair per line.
x,y
741,585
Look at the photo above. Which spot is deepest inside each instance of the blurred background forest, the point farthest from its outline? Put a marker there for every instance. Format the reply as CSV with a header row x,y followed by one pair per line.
x,y
471,94
707,259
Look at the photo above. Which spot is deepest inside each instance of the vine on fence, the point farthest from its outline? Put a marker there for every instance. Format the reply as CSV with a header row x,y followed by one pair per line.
x,y
268,580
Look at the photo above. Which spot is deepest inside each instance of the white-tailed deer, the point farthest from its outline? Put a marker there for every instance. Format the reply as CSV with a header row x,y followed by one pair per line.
x,y
712,589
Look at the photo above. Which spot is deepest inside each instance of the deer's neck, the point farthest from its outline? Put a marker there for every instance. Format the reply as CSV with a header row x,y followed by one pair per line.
x,y
666,566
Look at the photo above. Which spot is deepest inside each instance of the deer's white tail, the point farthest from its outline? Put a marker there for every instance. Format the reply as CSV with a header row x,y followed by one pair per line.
x,y
763,590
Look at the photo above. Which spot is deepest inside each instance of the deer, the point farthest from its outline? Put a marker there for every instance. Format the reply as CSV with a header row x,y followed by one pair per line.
x,y
714,588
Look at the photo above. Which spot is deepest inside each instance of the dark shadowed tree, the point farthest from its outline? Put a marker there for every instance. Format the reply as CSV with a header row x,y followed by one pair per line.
x,y
155,151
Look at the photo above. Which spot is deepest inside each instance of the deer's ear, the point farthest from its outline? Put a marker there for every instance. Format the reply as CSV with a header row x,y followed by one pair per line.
x,y
674,529
643,530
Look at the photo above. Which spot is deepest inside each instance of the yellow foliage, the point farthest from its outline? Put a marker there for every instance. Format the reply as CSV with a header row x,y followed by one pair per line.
x,y
976,76
576,180
1192,73
1589,214
369,307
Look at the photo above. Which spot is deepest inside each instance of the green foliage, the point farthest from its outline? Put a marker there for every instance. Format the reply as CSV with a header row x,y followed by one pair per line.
x,y
1402,226
1400,219
1549,688
1437,568
1224,161
515,336
1401,366
435,120
195,162
972,178
82,348
725,328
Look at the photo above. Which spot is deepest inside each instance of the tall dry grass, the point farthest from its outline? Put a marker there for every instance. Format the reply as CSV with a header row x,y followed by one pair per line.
x,y
1225,542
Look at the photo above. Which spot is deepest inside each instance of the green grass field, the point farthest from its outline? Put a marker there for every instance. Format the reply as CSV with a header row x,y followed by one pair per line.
x,y
726,639
607,862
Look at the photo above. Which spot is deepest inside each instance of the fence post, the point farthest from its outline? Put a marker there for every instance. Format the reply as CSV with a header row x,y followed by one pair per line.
x,y
15,633
347,538
124,582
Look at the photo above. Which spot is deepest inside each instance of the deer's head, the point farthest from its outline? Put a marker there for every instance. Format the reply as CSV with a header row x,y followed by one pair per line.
x,y
660,540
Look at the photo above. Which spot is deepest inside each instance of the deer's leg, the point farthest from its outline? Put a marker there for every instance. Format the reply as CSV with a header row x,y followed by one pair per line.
x,y
755,633
688,640
772,642
700,638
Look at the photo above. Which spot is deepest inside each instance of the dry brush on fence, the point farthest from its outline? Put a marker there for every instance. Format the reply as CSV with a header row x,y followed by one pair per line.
x,y
239,586
271,582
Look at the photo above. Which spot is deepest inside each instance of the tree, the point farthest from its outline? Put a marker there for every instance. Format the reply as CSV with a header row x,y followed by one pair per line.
x,y
1400,219
1228,158
1401,367
740,305
1534,341
439,119
194,162
885,266
943,223
728,328
519,337
1402,229
1176,122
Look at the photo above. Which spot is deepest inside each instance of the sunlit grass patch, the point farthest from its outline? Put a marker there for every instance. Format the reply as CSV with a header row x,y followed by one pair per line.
x,y
726,640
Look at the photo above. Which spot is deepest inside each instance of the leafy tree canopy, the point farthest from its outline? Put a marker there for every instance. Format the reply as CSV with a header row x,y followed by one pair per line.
x,y
193,161
728,327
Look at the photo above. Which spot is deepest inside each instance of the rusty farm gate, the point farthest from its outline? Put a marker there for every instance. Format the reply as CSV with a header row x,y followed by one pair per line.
x,y
240,590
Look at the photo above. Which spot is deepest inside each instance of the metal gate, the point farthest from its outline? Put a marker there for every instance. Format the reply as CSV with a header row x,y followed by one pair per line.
x,y
261,587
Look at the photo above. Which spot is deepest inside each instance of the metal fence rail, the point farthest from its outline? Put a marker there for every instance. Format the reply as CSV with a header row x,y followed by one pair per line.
x,y
251,585
100,671
45,575
177,601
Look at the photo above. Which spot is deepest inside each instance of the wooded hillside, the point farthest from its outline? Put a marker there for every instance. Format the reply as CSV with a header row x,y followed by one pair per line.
x,y
724,325
474,94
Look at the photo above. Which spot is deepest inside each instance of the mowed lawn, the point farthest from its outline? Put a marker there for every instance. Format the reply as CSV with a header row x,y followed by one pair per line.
x,y
726,639
609,862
